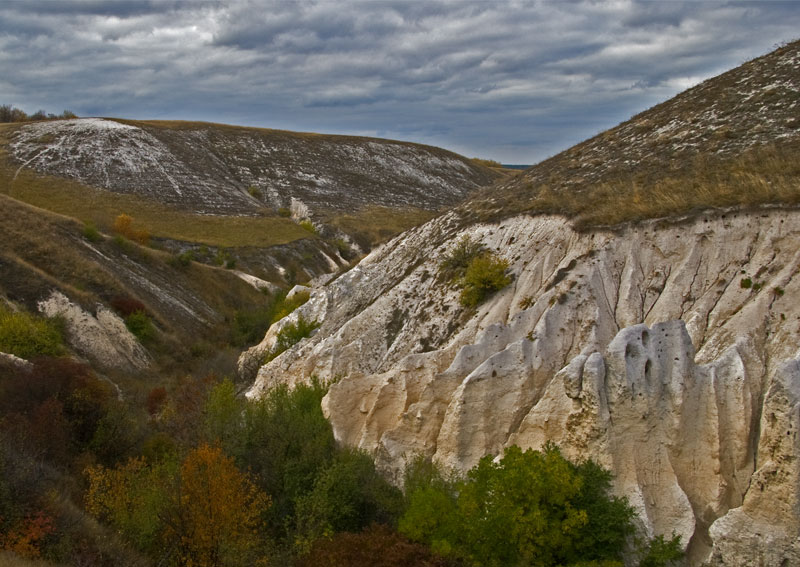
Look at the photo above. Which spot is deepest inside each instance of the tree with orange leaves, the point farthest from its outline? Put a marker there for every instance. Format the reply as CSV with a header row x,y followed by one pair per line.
x,y
220,512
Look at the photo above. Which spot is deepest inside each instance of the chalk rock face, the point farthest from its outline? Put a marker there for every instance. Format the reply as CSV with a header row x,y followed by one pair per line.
x,y
658,350
103,337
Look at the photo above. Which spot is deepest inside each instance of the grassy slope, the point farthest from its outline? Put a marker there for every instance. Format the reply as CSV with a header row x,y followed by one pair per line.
x,y
42,251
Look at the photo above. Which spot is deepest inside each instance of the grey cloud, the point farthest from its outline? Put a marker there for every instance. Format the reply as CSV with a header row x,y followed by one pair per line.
x,y
515,81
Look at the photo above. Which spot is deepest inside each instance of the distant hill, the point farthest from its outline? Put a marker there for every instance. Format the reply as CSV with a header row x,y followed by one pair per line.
x,y
217,169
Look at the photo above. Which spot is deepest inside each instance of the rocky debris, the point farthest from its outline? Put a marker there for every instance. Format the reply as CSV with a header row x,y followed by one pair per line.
x,y
657,349
103,337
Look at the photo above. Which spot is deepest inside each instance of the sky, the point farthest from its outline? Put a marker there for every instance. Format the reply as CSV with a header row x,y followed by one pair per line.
x,y
514,81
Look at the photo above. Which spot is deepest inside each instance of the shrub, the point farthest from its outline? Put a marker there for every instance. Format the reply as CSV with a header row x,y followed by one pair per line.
x,y
26,335
455,263
286,441
484,275
746,283
255,192
90,232
309,226
250,325
284,307
126,305
123,226
377,546
182,260
141,326
224,258
344,249
284,212
660,552
290,335
156,399
348,496
529,508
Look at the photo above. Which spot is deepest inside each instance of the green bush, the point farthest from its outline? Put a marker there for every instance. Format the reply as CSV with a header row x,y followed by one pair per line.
x,y
529,508
309,226
284,307
661,553
286,442
348,496
182,260
484,275
90,232
141,326
27,336
290,335
455,263
250,325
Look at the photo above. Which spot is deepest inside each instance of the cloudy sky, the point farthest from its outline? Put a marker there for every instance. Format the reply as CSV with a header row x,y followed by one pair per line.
x,y
512,81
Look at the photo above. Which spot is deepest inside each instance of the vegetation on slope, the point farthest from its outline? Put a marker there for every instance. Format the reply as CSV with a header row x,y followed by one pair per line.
x,y
195,475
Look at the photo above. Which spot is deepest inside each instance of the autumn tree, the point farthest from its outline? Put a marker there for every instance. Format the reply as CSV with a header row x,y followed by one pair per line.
x,y
221,511
123,225
134,498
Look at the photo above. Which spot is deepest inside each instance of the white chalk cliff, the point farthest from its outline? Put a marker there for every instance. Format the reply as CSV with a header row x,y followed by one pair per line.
x,y
644,349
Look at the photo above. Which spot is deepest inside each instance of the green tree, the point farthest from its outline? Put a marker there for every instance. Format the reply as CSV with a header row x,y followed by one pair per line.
x,y
134,498
348,496
223,415
286,442
528,508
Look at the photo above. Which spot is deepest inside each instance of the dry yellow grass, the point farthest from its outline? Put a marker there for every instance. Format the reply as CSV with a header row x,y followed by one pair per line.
x,y
761,176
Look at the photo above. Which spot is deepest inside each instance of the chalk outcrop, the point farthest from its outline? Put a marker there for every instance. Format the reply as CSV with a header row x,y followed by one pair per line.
x,y
102,337
660,350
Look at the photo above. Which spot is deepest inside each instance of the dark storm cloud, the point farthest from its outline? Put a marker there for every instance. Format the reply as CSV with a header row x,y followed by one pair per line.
x,y
515,81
